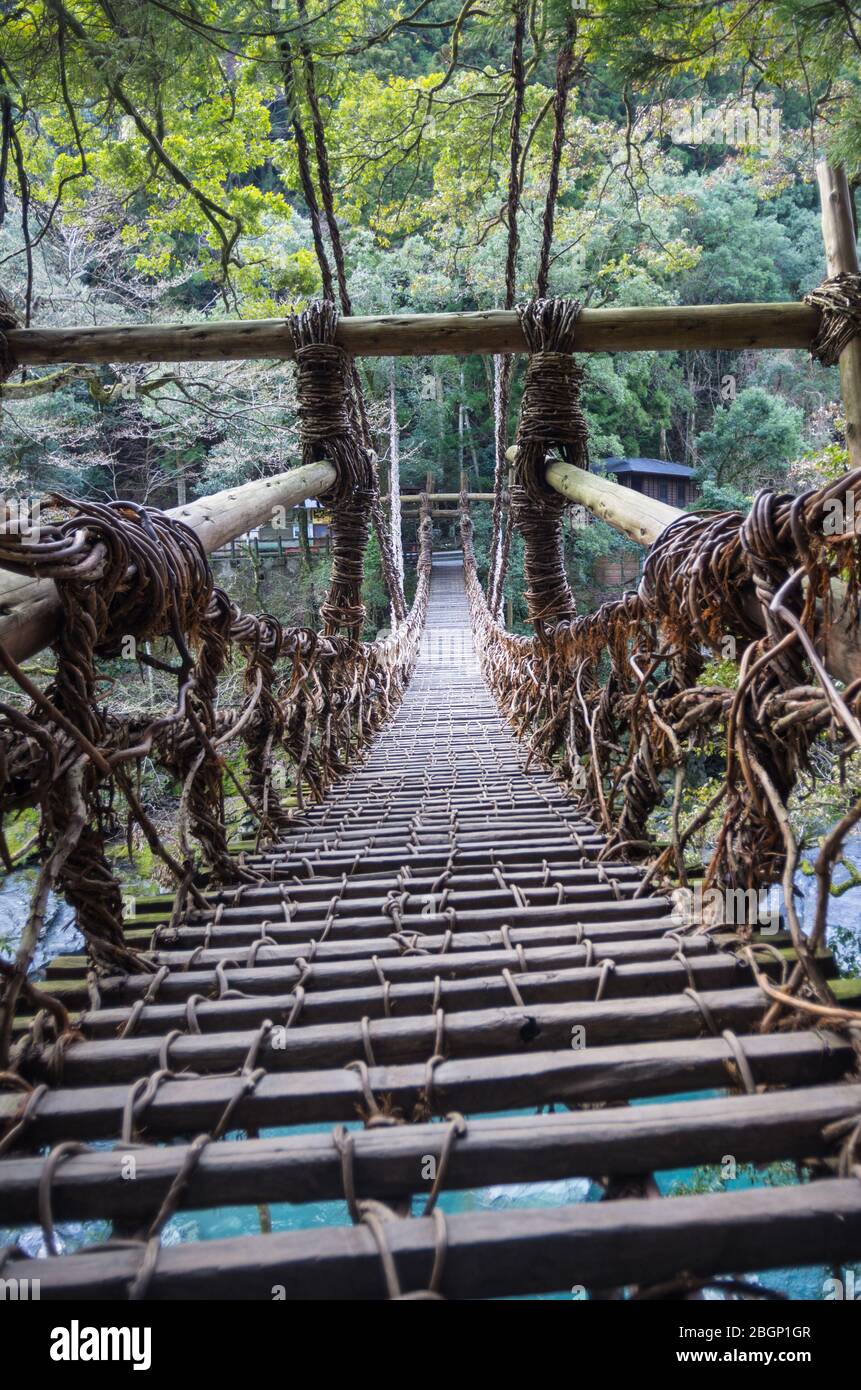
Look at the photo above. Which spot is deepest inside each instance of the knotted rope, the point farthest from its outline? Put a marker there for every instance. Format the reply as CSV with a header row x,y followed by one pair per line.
x,y
329,430
839,301
768,581
262,639
550,416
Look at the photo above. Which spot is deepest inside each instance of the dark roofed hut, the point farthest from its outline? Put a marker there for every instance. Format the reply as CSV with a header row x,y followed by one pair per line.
x,y
668,482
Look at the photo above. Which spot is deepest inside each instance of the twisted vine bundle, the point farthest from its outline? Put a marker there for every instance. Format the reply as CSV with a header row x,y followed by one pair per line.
x,y
550,415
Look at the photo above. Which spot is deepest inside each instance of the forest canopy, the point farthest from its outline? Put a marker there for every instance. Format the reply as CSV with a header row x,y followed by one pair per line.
x,y
151,170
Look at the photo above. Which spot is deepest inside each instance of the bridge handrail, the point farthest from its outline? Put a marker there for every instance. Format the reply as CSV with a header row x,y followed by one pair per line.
x,y
630,329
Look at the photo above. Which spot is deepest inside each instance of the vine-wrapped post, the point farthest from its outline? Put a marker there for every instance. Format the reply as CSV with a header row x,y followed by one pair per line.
x,y
329,429
550,416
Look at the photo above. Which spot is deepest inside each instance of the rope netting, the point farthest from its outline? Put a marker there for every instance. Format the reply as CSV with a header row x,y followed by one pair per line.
x,y
614,705
312,701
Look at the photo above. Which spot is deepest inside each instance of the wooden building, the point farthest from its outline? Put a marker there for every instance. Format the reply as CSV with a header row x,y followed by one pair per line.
x,y
668,482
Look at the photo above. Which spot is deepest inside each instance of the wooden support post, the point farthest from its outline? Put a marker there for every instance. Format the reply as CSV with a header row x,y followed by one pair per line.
x,y
30,605
638,517
841,255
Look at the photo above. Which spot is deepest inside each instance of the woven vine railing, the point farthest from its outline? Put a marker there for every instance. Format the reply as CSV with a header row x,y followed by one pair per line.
x,y
311,704
615,703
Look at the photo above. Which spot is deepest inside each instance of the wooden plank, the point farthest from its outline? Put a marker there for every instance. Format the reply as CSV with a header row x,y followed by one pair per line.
x,y
493,1254
669,328
345,974
472,927
513,854
537,838
306,893
512,1030
340,946
191,1105
391,1163
336,1006
250,912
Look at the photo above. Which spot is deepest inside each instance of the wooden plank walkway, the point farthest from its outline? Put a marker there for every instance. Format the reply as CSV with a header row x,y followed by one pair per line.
x,y
435,946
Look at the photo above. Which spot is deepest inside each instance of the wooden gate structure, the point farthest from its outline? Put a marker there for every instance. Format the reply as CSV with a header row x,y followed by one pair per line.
x,y
440,972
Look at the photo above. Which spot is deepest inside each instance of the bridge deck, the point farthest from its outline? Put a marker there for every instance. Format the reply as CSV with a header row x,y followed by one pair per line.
x,y
439,936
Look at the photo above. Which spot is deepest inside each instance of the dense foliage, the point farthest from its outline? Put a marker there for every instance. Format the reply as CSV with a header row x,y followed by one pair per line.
x,y
148,171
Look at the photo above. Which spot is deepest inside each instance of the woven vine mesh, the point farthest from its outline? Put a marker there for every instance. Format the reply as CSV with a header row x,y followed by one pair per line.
x,y
311,701
614,703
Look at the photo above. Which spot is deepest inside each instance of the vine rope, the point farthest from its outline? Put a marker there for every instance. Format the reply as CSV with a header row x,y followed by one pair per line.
x,y
615,704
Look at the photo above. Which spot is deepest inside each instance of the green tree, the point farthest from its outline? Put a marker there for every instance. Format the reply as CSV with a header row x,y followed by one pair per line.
x,y
752,441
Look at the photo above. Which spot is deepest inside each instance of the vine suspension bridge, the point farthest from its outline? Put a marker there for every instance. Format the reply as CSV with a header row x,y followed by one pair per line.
x,y
464,915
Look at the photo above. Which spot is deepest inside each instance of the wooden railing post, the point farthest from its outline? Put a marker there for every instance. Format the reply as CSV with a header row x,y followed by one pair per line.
x,y
841,256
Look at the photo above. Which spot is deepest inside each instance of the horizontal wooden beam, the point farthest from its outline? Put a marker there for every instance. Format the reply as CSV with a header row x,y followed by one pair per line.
x,y
29,607
413,499
453,497
391,1163
411,513
190,1105
489,1254
671,328
510,1030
